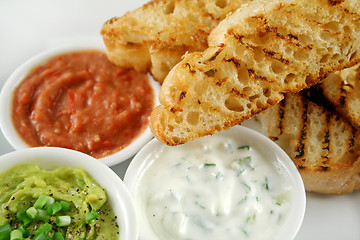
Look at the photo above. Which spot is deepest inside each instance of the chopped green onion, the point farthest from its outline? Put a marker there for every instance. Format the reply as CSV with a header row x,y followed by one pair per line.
x,y
42,201
23,217
91,216
64,206
42,215
32,212
16,235
42,236
50,201
58,236
25,231
5,231
63,221
54,208
45,228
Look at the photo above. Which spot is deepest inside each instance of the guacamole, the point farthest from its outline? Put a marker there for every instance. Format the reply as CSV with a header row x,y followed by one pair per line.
x,y
22,185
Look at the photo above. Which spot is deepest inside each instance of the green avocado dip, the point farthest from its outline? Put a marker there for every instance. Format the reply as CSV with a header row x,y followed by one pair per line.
x,y
86,213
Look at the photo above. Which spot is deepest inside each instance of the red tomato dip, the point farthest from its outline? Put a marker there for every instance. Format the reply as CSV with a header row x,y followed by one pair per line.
x,y
79,100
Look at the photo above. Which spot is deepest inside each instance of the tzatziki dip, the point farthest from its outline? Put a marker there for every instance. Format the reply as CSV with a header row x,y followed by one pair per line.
x,y
216,187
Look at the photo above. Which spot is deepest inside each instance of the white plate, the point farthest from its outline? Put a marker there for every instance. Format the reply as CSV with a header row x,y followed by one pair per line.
x,y
29,27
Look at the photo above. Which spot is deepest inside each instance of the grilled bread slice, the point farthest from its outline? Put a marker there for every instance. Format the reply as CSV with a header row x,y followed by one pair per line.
x,y
256,54
156,35
323,146
342,89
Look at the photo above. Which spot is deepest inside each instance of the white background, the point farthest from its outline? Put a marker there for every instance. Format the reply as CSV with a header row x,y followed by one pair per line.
x,y
28,27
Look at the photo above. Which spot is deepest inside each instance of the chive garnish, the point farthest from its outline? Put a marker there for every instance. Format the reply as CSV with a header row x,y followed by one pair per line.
x,y
244,147
209,164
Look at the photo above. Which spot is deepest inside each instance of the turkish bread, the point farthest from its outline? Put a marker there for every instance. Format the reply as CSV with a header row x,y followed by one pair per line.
x,y
323,145
255,55
155,36
342,90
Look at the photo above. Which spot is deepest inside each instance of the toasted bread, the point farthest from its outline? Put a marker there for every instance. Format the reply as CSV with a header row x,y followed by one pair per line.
x,y
342,89
256,54
155,36
323,146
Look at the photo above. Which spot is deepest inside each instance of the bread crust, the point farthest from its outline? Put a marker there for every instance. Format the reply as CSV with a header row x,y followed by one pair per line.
x,y
342,90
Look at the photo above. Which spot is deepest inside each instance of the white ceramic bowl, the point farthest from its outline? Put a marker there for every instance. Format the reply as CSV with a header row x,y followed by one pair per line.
x,y
117,193
20,73
147,156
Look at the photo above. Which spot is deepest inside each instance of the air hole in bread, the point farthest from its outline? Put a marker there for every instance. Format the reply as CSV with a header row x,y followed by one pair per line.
x,y
259,54
169,9
170,127
249,105
331,26
301,55
210,73
325,58
252,98
289,50
175,139
267,92
232,104
221,3
259,104
276,66
264,39
335,56
289,78
347,30
246,90
243,74
309,79
271,101
193,118
304,39
325,35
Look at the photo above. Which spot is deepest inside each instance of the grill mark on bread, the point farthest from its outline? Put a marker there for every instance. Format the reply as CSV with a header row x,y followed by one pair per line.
x,y
236,62
301,145
274,55
327,139
190,67
256,76
182,95
281,115
335,2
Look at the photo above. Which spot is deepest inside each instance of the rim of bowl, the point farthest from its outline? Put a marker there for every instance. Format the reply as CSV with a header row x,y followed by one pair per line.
x,y
6,95
142,160
117,193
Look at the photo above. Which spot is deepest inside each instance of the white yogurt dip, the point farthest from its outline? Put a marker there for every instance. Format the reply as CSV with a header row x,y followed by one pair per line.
x,y
216,187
